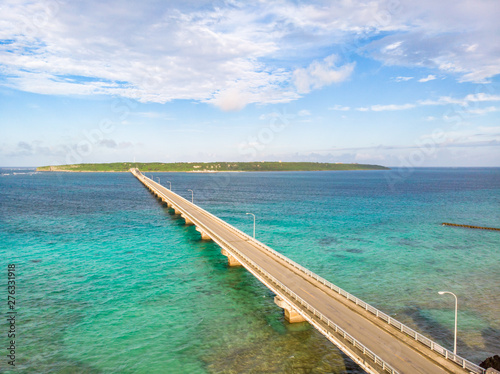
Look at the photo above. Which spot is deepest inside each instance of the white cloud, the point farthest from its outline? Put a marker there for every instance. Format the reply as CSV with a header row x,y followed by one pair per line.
x,y
460,44
393,46
231,99
467,137
158,53
340,107
226,54
321,73
481,111
391,107
402,79
471,48
304,113
383,108
466,103
430,77
482,97
148,54
493,130
471,98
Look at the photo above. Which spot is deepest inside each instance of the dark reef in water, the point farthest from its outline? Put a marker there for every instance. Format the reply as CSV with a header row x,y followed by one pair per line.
x,y
491,362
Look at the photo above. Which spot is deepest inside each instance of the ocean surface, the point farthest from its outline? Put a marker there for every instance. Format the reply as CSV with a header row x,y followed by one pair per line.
x,y
108,281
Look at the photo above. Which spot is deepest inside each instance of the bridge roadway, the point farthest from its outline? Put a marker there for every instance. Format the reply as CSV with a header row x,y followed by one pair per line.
x,y
374,345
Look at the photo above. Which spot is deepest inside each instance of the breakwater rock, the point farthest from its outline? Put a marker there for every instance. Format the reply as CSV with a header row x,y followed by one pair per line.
x,y
491,362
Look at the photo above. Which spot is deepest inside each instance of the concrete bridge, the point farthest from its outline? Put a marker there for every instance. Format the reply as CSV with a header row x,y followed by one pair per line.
x,y
375,341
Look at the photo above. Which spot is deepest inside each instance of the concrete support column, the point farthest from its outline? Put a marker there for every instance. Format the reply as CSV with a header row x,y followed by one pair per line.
x,y
176,210
204,235
291,315
232,261
188,221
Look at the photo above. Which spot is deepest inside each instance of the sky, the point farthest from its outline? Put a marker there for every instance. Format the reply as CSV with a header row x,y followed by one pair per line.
x,y
399,83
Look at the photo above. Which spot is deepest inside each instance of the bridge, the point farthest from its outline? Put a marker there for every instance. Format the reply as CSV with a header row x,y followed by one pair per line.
x,y
377,342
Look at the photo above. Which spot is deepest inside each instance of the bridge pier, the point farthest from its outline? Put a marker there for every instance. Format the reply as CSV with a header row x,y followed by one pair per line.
x,y
176,210
232,261
204,235
188,221
291,315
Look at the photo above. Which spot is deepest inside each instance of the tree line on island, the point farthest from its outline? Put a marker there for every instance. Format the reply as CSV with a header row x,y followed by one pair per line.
x,y
205,167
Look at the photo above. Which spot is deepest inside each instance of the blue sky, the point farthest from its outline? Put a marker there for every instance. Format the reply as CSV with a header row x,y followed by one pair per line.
x,y
396,82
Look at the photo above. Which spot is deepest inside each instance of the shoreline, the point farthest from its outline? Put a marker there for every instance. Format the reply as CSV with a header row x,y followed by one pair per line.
x,y
210,167
199,172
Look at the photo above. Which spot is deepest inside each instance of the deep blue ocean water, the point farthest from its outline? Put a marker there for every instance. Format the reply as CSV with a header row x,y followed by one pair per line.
x,y
108,281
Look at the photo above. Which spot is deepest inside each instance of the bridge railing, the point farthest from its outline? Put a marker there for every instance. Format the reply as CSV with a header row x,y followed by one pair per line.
x,y
316,314
386,318
383,316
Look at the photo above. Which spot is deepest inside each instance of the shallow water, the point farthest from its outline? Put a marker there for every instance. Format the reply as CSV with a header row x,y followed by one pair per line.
x,y
110,282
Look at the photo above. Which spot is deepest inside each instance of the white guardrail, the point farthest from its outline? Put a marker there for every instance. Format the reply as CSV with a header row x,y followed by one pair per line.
x,y
271,279
473,368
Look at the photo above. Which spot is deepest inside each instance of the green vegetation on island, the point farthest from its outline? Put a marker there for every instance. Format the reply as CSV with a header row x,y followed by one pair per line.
x,y
207,167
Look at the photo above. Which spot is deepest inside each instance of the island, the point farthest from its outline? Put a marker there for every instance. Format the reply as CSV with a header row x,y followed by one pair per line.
x,y
210,167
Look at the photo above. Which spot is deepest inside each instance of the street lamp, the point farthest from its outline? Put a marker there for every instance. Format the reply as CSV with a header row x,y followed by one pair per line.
x,y
192,195
456,312
253,223
158,180
170,184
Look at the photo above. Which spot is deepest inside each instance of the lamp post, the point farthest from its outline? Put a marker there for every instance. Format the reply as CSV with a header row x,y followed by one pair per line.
x,y
253,223
158,180
456,313
192,195
170,184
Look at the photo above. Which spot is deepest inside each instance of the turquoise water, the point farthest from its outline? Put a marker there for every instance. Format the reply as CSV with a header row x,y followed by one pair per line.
x,y
110,282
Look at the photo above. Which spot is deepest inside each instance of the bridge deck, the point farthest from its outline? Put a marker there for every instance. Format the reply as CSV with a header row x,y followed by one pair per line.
x,y
395,351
